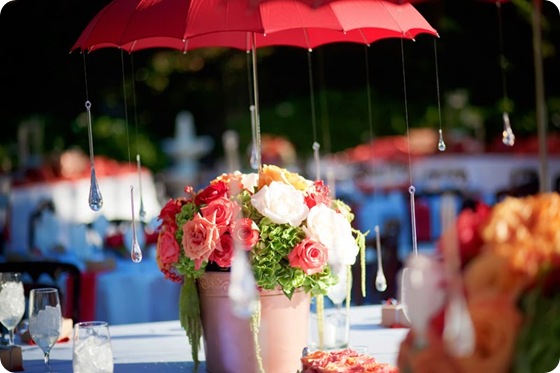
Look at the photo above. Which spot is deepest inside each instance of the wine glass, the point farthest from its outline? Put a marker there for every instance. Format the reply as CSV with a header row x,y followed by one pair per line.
x,y
45,319
12,301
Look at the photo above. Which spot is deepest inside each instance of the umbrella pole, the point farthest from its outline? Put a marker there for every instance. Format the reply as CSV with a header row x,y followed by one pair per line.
x,y
257,121
539,95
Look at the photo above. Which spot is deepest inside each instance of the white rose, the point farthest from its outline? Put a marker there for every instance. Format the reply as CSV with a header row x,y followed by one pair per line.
x,y
250,181
281,203
334,231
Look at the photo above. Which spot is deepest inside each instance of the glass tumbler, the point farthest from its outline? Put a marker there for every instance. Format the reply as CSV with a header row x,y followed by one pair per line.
x,y
92,352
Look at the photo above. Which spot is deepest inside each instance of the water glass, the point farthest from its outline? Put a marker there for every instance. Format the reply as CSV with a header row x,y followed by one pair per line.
x,y
12,301
336,329
92,352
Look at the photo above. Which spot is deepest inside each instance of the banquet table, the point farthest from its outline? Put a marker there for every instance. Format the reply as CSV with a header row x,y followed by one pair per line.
x,y
163,346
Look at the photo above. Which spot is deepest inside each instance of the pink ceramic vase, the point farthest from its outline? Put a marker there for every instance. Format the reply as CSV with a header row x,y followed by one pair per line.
x,y
228,340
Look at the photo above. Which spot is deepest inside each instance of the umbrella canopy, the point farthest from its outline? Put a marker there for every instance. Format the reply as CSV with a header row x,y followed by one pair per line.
x,y
189,24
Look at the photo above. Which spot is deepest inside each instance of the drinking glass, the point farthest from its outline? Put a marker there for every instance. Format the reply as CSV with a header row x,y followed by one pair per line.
x,y
45,319
92,352
12,301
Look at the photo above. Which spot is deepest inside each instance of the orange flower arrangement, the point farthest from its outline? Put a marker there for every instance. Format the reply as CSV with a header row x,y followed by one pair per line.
x,y
510,258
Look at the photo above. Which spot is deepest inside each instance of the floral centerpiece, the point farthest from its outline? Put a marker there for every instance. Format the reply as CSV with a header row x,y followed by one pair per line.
x,y
292,230
510,273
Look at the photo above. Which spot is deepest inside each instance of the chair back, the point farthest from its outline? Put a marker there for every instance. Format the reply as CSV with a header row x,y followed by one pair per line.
x,y
33,277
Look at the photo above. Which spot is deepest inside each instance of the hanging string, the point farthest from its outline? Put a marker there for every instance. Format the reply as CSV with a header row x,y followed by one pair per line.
x,y
370,110
254,156
135,252
441,143
508,138
125,106
325,127
141,211
256,114
316,144
411,189
95,199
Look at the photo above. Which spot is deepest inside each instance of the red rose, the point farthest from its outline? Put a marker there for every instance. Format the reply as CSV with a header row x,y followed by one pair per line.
x,y
309,255
167,249
246,233
223,255
319,194
222,209
200,238
212,192
171,208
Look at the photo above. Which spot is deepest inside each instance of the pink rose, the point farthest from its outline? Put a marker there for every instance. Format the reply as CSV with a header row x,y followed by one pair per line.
x,y
200,238
246,233
212,192
223,209
223,255
167,248
309,255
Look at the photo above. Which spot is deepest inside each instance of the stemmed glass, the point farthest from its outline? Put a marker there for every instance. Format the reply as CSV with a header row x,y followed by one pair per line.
x,y
337,327
45,319
12,301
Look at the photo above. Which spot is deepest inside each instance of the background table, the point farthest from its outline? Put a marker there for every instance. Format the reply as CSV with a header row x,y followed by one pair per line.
x,y
163,346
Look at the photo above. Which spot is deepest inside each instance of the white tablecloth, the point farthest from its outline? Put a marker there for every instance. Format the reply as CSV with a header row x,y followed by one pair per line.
x,y
70,200
162,347
136,293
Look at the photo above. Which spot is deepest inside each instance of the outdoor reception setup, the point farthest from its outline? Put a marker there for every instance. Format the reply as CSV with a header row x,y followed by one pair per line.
x,y
424,251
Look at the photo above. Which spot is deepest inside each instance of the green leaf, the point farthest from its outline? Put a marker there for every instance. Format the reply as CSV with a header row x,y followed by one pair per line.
x,y
189,316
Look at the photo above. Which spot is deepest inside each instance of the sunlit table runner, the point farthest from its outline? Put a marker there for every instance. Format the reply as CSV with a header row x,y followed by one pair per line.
x,y
163,347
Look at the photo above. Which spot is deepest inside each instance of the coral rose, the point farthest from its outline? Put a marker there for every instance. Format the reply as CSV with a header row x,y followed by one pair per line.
x,y
223,255
200,238
246,233
222,209
309,255
167,249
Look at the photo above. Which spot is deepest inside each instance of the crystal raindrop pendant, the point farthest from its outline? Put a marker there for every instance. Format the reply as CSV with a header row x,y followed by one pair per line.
x,y
95,197
441,144
508,138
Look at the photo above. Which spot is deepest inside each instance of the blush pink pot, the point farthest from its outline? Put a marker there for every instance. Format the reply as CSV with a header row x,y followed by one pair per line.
x,y
228,340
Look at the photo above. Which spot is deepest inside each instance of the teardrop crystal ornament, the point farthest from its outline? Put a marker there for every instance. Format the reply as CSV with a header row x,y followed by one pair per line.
x,y
135,252
458,332
441,144
380,280
141,212
242,290
95,197
254,161
411,191
508,138
316,148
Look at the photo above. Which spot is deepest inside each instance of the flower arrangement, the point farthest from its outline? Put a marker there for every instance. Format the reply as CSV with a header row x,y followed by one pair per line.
x,y
293,232
510,273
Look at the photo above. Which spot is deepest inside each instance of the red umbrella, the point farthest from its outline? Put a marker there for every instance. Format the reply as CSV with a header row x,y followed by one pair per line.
x,y
190,24
247,24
